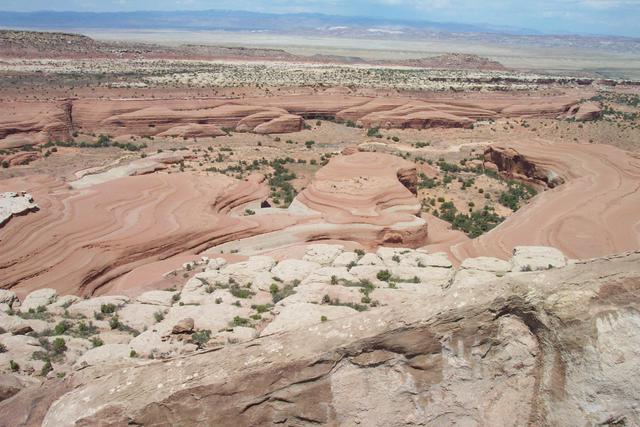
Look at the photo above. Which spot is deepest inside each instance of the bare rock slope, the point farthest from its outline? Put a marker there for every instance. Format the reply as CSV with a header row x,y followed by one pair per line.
x,y
550,347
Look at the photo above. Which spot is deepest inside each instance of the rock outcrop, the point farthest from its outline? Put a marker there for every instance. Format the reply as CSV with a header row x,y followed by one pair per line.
x,y
33,122
553,347
591,214
12,204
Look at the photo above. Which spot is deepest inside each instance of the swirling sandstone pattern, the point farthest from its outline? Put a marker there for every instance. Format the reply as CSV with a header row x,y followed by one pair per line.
x,y
115,222
594,213
81,240
57,120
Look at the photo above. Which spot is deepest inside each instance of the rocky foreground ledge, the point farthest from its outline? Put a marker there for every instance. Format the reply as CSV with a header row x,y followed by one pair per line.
x,y
393,337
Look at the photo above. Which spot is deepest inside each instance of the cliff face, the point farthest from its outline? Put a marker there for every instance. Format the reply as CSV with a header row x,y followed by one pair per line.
x,y
513,165
552,347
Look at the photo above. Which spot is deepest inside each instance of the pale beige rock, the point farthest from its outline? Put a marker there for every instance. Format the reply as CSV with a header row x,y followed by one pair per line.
x,y
486,264
244,272
184,326
452,358
294,269
534,258
90,306
7,297
328,275
370,259
421,259
345,258
163,298
322,254
105,354
467,277
40,298
139,316
304,315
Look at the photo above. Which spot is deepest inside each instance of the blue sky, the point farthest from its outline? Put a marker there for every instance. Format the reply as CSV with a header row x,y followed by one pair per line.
x,y
619,17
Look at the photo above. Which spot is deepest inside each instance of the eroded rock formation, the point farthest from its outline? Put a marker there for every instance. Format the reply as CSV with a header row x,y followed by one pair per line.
x,y
544,348
30,122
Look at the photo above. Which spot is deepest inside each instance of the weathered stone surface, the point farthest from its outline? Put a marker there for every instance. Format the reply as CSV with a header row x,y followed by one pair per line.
x,y
139,316
164,298
39,298
533,258
90,306
7,297
495,342
11,384
293,269
322,254
244,272
486,264
302,315
12,204
345,259
105,354
370,259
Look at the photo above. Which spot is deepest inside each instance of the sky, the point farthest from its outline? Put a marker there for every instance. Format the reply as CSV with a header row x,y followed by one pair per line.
x,y
611,17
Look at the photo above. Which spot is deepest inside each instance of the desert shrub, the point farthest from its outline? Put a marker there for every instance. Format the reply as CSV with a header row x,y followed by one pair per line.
x,y
240,321
96,342
13,365
200,338
278,294
374,132
108,308
384,275
158,316
61,328
46,368
58,346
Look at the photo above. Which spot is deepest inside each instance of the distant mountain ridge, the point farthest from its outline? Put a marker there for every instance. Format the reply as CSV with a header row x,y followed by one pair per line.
x,y
231,20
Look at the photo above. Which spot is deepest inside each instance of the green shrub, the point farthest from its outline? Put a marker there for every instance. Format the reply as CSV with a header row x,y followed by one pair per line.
x,y
46,368
108,308
200,338
14,366
61,328
158,316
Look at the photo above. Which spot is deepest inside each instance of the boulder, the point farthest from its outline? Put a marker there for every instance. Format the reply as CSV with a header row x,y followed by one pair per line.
x,y
39,298
534,258
184,326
